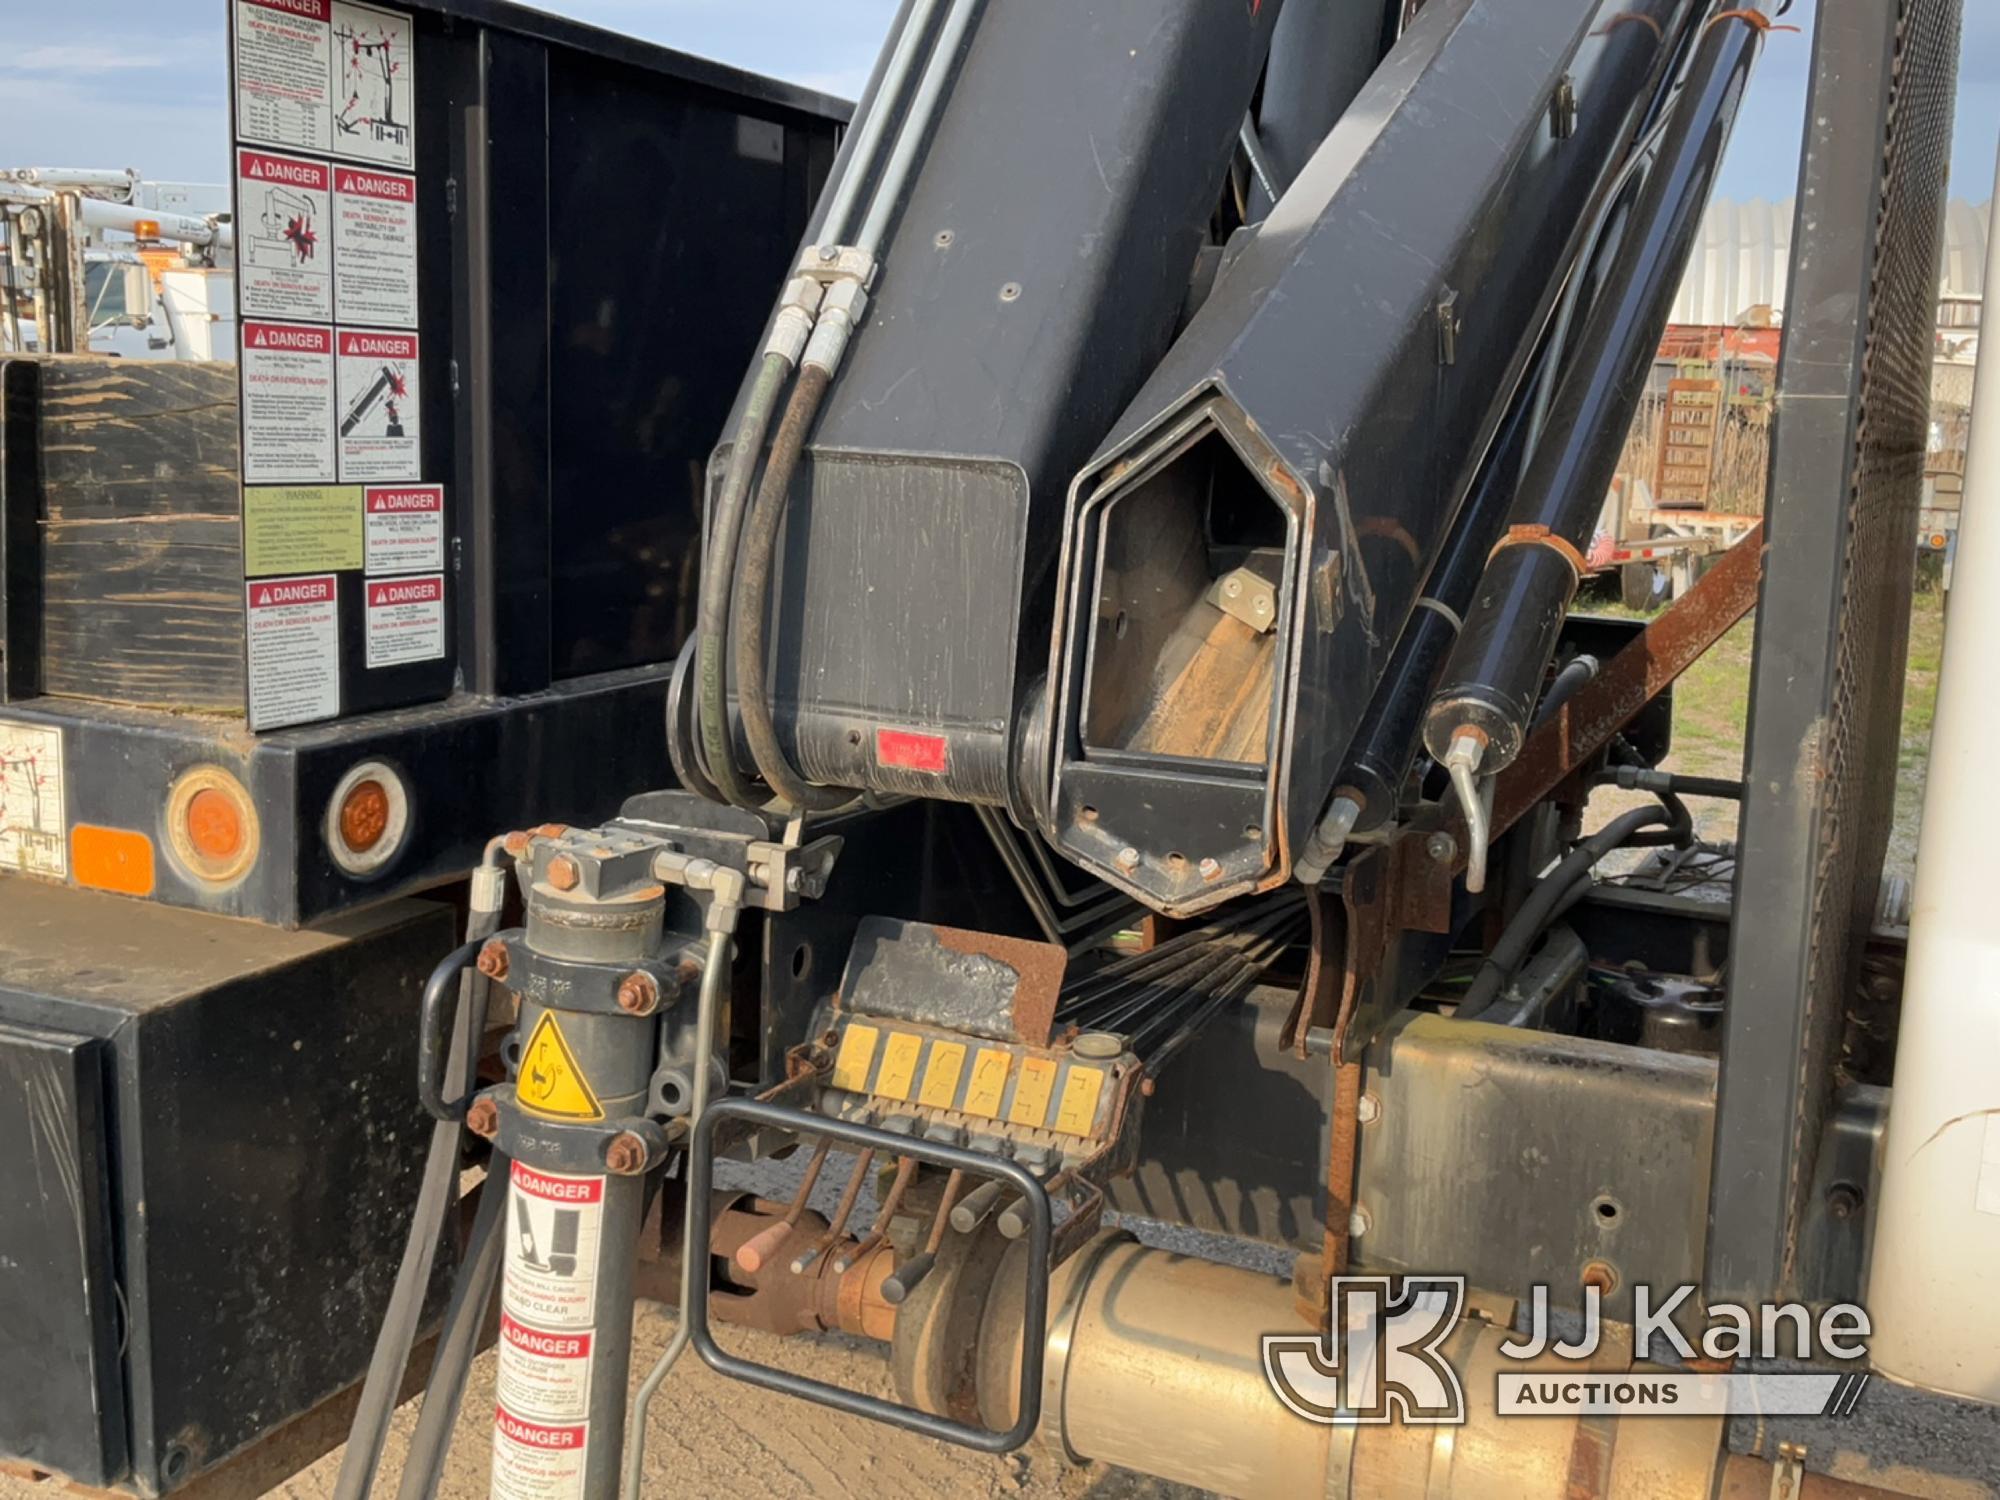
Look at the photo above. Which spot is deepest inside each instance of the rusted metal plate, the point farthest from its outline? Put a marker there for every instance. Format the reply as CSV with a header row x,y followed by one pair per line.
x,y
977,983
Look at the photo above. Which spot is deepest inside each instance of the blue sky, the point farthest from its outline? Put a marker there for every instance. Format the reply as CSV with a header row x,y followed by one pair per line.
x,y
141,82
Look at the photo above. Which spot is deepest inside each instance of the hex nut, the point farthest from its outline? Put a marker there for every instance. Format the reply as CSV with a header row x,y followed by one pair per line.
x,y
493,959
638,995
563,873
625,1155
483,1119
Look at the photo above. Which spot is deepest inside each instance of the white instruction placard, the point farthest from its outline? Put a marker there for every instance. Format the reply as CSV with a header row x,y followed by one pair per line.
x,y
544,1374
374,85
33,835
293,630
550,1276
378,405
405,619
405,527
284,267
537,1460
375,246
284,72
288,403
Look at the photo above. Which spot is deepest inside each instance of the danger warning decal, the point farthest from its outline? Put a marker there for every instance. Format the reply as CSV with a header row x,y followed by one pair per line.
x,y
405,527
405,620
378,405
537,1460
292,627
284,72
550,1082
328,201
375,244
550,1279
544,1374
284,266
288,400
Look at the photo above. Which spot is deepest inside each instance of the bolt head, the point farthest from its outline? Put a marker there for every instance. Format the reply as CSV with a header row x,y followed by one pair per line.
x,y
1357,1222
516,844
493,959
1441,847
483,1119
626,1155
1368,1109
563,873
638,995
1211,869
795,880
1128,858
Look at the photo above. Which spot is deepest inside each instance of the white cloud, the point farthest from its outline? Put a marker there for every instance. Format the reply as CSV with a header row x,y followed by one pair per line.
x,y
82,59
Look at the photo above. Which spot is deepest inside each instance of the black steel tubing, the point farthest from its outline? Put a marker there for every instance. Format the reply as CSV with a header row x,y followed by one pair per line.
x,y
1495,673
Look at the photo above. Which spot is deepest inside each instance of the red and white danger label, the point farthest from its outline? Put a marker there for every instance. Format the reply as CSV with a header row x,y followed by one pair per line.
x,y
288,401
537,1460
375,245
293,631
379,405
405,527
284,265
550,1276
544,1374
405,620
284,72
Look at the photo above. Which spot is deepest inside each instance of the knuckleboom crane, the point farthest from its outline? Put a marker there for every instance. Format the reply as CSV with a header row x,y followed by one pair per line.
x,y
1190,477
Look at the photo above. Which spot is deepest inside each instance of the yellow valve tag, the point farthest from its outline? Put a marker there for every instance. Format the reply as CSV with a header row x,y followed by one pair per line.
x,y
1031,1094
941,1075
989,1082
899,1065
857,1051
1078,1110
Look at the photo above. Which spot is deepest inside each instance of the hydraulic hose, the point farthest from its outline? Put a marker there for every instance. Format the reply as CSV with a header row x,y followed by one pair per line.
x,y
1553,894
458,1339
435,1197
718,573
839,315
753,587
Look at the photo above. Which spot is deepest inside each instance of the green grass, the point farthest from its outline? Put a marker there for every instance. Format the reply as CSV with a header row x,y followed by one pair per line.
x,y
1711,716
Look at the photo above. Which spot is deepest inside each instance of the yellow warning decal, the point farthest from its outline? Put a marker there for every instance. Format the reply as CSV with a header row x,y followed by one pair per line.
x,y
857,1051
941,1075
989,1082
899,1065
1031,1094
550,1082
1078,1110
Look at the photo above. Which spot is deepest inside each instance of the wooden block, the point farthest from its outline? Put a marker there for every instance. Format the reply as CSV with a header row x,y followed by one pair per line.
x,y
141,546
138,438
